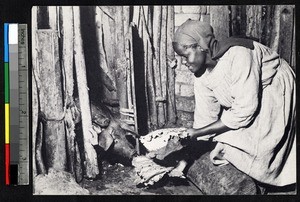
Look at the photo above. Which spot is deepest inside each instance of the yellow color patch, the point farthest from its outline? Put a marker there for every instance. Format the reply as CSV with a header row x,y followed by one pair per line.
x,y
6,123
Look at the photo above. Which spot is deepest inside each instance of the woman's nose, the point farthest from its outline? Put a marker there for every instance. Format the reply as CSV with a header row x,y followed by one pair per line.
x,y
184,62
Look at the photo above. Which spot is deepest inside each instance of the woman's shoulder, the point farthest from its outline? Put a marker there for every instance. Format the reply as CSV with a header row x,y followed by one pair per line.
x,y
237,51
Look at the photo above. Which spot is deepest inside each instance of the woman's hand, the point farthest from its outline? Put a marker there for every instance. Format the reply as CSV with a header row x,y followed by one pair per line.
x,y
208,131
192,133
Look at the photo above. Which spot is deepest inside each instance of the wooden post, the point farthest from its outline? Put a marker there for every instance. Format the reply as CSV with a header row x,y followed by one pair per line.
x,y
219,20
35,103
157,14
66,27
267,23
149,74
254,17
163,60
99,32
286,32
91,165
121,63
293,56
238,20
171,105
51,99
136,15
105,36
274,41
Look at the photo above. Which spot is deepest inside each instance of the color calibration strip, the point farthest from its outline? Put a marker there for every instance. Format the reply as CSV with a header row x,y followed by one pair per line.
x,y
6,95
16,104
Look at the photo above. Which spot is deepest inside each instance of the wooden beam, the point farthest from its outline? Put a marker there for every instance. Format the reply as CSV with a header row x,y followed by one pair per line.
x,y
149,73
91,165
163,60
219,20
171,105
66,28
35,103
121,63
254,17
286,32
157,15
50,94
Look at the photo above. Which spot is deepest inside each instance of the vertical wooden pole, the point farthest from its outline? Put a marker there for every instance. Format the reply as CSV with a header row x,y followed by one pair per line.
x,y
102,57
286,32
129,70
52,17
91,165
136,15
163,60
171,72
149,73
238,20
219,20
254,17
274,41
157,15
66,27
293,55
121,63
267,24
35,107
51,99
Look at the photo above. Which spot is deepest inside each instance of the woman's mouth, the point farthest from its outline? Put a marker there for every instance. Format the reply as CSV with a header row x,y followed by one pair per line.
x,y
191,68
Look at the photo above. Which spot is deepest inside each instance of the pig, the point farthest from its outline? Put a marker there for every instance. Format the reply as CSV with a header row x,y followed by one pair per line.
x,y
116,140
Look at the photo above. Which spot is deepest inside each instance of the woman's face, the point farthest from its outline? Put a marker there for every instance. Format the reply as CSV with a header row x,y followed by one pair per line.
x,y
193,57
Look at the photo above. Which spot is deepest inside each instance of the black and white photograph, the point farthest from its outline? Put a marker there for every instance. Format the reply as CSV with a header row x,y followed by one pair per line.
x,y
164,100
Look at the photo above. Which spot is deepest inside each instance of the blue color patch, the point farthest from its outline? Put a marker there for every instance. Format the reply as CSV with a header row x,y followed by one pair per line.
x,y
6,52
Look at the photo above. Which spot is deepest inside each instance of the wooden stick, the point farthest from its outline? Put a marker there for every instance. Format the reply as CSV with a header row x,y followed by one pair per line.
x,y
130,79
134,102
219,20
91,165
102,57
126,13
146,56
254,16
66,16
52,17
163,61
50,95
35,103
38,155
171,72
274,43
286,32
293,55
109,46
121,63
149,75
136,15
157,14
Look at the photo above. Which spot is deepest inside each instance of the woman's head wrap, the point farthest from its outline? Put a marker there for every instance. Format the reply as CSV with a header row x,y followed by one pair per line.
x,y
194,31
201,33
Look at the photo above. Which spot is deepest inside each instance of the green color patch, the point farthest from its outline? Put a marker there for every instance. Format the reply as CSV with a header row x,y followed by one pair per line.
x,y
6,82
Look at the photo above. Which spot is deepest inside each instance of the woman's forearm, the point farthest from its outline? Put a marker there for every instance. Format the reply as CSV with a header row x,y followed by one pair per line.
x,y
215,127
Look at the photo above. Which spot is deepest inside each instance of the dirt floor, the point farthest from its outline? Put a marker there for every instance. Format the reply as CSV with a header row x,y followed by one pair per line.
x,y
119,180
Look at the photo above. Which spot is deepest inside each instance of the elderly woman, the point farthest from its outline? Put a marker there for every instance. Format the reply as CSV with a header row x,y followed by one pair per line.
x,y
244,101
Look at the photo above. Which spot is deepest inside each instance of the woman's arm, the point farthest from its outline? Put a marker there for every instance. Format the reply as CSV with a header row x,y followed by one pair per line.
x,y
215,127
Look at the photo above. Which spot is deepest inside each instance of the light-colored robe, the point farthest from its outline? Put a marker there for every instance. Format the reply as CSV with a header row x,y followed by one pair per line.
x,y
252,92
